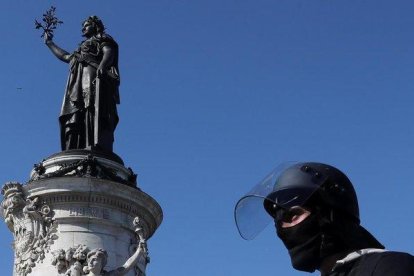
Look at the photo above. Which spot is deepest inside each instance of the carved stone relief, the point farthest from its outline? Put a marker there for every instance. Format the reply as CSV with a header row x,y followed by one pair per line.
x,y
31,224
70,261
80,260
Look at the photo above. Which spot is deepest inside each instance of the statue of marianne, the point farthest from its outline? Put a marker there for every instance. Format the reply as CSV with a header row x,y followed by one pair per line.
x,y
89,115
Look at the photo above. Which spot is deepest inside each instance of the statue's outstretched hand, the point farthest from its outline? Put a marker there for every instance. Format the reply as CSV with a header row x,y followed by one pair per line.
x,y
48,37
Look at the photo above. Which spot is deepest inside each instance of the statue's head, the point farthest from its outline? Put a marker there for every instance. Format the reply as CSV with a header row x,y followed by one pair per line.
x,y
92,25
76,269
80,252
59,260
97,260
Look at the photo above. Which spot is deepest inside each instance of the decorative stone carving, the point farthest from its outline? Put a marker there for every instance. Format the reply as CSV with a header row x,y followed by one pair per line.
x,y
83,163
80,260
31,225
143,259
87,167
71,261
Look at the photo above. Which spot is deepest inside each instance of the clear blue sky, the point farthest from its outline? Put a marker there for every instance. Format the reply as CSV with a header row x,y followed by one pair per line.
x,y
216,93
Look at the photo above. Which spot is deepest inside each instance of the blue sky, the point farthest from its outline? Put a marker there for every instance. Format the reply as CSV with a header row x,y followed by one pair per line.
x,y
214,94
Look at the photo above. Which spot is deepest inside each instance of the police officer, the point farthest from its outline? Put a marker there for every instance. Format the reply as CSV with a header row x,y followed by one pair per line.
x,y
316,215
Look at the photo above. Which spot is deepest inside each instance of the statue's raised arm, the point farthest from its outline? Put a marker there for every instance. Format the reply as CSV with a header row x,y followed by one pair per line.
x,y
89,114
56,50
97,259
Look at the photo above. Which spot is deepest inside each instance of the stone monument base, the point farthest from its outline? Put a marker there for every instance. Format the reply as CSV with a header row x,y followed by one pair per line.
x,y
74,203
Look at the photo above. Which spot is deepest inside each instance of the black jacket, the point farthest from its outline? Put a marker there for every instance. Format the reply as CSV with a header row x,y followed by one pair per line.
x,y
386,263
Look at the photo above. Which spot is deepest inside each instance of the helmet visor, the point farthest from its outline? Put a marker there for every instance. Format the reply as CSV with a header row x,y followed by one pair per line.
x,y
284,187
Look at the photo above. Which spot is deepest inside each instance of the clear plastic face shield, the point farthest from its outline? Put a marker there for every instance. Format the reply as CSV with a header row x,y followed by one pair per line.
x,y
288,185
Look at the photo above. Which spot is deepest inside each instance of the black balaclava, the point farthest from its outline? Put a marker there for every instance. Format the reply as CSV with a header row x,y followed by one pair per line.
x,y
303,241
317,237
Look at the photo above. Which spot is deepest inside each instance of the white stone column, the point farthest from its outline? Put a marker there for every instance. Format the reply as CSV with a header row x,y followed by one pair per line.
x,y
57,219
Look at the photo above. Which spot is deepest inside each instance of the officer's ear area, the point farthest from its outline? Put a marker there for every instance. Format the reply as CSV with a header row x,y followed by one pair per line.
x,y
340,223
353,235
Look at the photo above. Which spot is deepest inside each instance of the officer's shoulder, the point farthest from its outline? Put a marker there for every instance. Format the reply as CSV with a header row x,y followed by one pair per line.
x,y
389,256
391,262
396,255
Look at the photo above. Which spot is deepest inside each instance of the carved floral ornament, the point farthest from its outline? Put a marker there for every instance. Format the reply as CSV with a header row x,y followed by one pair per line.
x,y
31,224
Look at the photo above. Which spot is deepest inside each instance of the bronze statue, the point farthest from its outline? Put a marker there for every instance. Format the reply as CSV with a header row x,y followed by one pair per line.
x,y
89,115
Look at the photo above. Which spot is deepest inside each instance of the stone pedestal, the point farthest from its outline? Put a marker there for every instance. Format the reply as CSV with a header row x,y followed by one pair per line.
x,y
77,202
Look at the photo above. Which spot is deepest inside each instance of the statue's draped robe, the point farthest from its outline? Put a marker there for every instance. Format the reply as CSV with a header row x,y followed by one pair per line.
x,y
77,115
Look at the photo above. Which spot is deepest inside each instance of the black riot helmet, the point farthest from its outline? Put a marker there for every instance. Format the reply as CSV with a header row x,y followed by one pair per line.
x,y
322,188
326,185
295,184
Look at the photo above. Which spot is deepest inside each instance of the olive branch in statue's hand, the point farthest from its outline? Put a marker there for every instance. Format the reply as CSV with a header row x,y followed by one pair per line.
x,y
50,22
